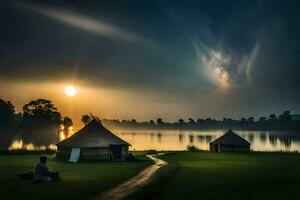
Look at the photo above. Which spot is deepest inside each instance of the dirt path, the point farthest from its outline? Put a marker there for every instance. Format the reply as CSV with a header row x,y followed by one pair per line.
x,y
134,183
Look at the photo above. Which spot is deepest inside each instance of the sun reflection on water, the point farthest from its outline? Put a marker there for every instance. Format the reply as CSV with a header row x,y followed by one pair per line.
x,y
20,145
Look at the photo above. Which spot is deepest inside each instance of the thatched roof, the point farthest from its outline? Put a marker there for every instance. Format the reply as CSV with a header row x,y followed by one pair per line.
x,y
91,136
230,138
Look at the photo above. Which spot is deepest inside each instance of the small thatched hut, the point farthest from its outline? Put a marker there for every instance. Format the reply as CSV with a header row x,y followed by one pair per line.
x,y
94,142
230,142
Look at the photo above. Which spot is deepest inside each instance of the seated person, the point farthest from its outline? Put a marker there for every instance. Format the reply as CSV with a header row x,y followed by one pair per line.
x,y
41,172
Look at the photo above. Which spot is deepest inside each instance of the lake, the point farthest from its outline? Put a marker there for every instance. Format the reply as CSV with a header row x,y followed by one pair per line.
x,y
174,139
179,139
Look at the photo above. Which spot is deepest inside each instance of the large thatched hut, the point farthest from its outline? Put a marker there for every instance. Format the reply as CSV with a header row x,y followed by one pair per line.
x,y
93,142
230,142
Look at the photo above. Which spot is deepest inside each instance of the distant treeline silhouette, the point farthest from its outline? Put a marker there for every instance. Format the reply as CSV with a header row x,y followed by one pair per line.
x,y
41,116
283,121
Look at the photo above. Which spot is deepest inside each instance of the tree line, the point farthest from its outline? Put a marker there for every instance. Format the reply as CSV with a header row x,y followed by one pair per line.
x,y
41,115
282,121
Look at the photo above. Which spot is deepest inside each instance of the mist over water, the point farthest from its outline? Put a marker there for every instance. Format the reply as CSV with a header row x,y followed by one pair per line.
x,y
287,141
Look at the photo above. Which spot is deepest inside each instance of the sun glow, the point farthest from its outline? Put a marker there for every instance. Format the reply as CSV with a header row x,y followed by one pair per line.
x,y
70,91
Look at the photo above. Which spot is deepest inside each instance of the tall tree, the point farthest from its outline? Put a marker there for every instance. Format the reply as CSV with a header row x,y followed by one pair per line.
x,y
159,121
40,114
273,117
7,115
85,119
181,121
262,119
200,120
285,116
243,119
191,121
151,122
67,123
251,119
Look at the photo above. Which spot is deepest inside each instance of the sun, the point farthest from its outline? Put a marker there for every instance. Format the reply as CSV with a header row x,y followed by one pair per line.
x,y
70,91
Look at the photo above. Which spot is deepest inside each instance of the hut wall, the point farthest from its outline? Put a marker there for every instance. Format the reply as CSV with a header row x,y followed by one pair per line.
x,y
119,152
95,154
228,148
213,147
233,148
63,153
124,152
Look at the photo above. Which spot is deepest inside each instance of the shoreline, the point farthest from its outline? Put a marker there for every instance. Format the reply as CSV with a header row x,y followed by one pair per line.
x,y
26,152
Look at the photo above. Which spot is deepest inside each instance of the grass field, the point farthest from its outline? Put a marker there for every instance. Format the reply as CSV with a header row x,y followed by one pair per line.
x,y
80,181
205,175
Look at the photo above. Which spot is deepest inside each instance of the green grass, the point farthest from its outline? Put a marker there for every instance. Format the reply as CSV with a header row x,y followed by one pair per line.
x,y
79,181
205,175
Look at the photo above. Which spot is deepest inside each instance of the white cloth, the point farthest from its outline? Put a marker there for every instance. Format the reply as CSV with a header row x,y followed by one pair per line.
x,y
75,153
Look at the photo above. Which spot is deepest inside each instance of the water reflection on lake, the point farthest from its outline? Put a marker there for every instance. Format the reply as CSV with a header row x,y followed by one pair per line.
x,y
35,141
165,139
178,139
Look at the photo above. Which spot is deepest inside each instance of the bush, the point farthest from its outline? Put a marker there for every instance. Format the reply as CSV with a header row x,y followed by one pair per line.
x,y
130,157
151,152
192,148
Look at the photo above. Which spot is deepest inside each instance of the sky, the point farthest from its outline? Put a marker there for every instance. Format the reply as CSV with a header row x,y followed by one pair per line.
x,y
148,59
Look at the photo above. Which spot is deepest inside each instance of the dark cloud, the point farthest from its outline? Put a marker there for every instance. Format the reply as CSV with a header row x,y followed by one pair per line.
x,y
233,56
